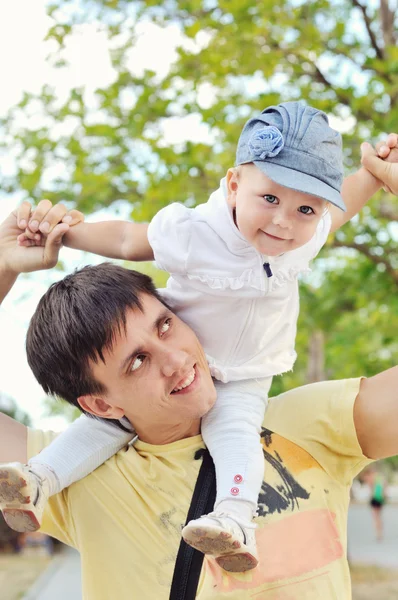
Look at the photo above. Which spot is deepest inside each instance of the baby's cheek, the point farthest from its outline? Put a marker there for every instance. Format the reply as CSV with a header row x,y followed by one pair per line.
x,y
308,232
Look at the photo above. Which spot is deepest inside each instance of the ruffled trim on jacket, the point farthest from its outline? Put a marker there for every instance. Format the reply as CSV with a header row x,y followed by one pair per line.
x,y
282,276
249,278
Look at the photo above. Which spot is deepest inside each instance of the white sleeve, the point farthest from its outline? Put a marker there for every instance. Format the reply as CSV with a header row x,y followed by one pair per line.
x,y
81,448
169,237
321,234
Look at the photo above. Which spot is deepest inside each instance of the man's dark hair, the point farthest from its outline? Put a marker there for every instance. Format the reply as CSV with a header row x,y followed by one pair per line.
x,y
76,320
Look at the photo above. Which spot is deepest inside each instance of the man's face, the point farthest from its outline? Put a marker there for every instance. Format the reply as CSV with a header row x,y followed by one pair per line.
x,y
156,373
272,218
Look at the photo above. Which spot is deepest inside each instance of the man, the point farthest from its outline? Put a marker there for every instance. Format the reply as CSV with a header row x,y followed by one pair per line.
x,y
126,517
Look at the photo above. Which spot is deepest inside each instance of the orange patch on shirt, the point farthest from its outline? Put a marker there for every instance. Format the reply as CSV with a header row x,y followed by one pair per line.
x,y
289,548
295,459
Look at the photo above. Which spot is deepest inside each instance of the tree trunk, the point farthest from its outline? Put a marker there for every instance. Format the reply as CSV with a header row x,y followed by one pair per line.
x,y
387,17
316,357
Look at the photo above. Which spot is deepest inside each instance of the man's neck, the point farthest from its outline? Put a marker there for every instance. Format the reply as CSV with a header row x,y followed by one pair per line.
x,y
160,436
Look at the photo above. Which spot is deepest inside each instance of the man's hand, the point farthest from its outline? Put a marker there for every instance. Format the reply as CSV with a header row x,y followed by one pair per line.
x,y
39,222
16,259
383,162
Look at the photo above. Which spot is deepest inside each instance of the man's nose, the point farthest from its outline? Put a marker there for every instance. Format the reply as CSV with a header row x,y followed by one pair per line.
x,y
174,361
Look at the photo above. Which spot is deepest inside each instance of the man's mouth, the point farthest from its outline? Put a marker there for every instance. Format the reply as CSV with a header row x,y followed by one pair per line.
x,y
185,383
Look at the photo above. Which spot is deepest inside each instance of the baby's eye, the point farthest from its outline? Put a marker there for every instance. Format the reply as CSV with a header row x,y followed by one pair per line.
x,y
166,325
306,210
271,199
137,362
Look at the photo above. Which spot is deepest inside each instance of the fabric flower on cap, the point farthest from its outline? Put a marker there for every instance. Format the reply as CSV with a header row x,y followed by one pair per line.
x,y
266,142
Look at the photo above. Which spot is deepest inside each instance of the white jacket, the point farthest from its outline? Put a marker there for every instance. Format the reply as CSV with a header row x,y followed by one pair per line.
x,y
245,320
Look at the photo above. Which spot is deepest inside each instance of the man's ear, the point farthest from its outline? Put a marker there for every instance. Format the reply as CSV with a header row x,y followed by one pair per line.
x,y
99,407
232,186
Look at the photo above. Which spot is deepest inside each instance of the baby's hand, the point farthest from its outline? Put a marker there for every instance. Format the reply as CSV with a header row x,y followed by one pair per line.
x,y
38,223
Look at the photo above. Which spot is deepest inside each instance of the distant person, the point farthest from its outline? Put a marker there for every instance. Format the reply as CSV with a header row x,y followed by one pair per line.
x,y
377,485
234,265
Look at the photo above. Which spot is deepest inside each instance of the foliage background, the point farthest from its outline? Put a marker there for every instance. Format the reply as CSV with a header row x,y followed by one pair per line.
x,y
95,149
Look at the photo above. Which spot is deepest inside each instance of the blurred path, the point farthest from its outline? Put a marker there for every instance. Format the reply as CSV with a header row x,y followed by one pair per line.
x,y
60,581
362,544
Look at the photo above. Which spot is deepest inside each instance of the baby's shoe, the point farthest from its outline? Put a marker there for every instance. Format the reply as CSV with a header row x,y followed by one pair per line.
x,y
227,537
23,496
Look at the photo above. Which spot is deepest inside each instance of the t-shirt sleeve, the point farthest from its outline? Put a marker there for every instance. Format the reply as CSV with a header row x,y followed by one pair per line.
x,y
57,517
319,417
169,237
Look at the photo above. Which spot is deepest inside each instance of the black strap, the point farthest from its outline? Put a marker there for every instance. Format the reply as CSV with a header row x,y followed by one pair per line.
x,y
189,561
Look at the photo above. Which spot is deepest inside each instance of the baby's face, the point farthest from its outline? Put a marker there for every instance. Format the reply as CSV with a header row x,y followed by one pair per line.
x,y
272,218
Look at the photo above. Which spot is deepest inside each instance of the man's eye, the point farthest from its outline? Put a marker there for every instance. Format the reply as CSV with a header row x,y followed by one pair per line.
x,y
271,199
306,210
137,362
166,325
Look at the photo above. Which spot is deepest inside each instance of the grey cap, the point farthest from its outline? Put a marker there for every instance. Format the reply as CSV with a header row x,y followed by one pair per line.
x,y
294,146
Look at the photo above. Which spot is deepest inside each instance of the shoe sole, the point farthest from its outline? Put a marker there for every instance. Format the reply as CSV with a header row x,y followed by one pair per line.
x,y
237,563
15,501
230,553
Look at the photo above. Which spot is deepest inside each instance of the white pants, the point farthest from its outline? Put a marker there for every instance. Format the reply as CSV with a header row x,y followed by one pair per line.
x,y
81,448
231,431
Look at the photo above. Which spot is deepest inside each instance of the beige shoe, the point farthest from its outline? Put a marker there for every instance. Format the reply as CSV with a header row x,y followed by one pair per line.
x,y
23,496
227,537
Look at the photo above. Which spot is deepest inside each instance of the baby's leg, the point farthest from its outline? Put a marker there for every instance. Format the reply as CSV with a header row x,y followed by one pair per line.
x,y
231,431
84,446
79,450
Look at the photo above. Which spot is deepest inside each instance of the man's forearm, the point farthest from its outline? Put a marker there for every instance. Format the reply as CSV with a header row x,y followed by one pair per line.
x,y
13,435
7,280
13,440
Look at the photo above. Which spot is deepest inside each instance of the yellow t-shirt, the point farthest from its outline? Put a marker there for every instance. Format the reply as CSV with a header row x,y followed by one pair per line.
x,y
126,517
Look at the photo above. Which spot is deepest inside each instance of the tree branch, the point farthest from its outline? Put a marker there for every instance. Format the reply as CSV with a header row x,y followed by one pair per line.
x,y
372,37
342,97
387,17
386,211
365,250
345,53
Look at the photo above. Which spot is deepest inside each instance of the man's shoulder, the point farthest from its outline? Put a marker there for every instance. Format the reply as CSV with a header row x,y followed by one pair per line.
x,y
319,418
39,439
299,413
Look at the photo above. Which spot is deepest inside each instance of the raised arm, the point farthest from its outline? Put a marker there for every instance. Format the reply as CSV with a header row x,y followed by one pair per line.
x,y
13,440
359,187
14,260
113,239
376,415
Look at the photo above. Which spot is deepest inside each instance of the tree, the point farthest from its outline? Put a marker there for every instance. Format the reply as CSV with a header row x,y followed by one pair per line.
x,y
9,407
233,57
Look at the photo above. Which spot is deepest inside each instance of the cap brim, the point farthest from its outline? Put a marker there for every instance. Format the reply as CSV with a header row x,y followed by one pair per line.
x,y
301,182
